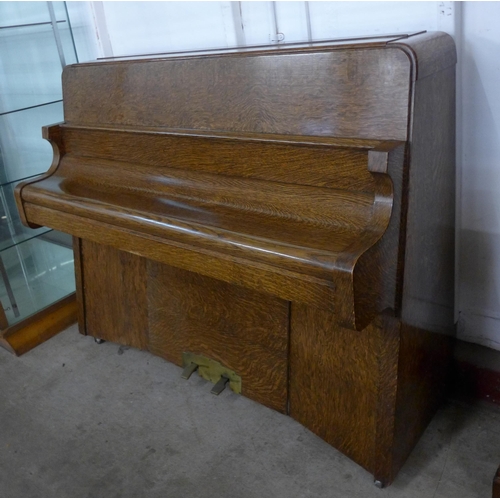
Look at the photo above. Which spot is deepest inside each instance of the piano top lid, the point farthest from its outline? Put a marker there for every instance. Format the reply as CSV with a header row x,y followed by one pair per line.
x,y
428,51
345,42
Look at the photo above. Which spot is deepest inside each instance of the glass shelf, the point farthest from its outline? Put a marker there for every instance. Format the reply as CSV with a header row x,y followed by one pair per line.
x,y
24,151
30,70
12,231
33,275
15,13
27,25
36,265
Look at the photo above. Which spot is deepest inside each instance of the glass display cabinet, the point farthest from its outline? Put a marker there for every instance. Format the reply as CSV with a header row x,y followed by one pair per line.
x,y
37,284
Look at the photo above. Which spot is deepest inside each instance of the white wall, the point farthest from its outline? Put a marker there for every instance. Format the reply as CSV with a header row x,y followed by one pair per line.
x,y
127,28
480,161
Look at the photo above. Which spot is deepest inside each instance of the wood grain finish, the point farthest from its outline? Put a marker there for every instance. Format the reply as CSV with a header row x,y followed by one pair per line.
x,y
237,271
115,295
324,227
37,328
230,324
286,212
429,54
52,133
370,394
339,164
333,390
372,83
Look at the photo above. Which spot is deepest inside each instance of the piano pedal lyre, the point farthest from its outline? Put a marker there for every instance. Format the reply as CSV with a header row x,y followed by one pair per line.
x,y
212,371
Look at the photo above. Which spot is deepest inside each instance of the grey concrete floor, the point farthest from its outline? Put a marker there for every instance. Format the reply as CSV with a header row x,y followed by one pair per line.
x,y
88,420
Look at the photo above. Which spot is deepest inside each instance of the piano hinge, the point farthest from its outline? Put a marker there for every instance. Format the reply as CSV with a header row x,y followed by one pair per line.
x,y
210,370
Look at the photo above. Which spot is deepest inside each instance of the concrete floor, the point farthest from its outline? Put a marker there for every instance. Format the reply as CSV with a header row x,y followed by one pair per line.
x,y
79,419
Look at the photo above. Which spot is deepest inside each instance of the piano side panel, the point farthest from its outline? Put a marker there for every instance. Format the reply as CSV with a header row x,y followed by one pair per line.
x,y
431,51
361,93
428,288
378,272
114,284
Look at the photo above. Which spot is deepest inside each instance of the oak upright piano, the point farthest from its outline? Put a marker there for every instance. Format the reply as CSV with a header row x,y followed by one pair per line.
x,y
281,219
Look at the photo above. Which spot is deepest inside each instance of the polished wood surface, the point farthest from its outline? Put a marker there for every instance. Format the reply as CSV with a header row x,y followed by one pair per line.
x,y
259,88
115,296
423,374
287,213
40,327
334,395
324,224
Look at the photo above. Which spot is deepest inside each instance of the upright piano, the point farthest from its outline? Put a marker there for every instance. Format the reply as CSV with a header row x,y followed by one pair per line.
x,y
280,220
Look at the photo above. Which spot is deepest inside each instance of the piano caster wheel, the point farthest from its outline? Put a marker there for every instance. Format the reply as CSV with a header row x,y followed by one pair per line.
x,y
99,341
379,484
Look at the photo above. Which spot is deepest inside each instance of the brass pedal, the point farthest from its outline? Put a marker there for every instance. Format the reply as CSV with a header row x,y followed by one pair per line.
x,y
189,370
211,370
220,385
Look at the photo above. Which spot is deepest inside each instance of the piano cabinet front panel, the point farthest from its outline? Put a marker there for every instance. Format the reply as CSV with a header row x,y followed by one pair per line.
x,y
244,330
145,304
114,293
370,393
333,381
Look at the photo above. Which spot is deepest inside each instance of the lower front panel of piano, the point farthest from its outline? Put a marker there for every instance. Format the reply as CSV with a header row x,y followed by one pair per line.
x,y
370,393
168,311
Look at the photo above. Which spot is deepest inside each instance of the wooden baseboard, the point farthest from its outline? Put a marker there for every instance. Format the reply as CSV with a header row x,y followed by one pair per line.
x,y
33,330
476,373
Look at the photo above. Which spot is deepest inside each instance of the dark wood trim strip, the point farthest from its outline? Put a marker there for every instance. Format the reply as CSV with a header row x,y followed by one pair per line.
x,y
77,252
